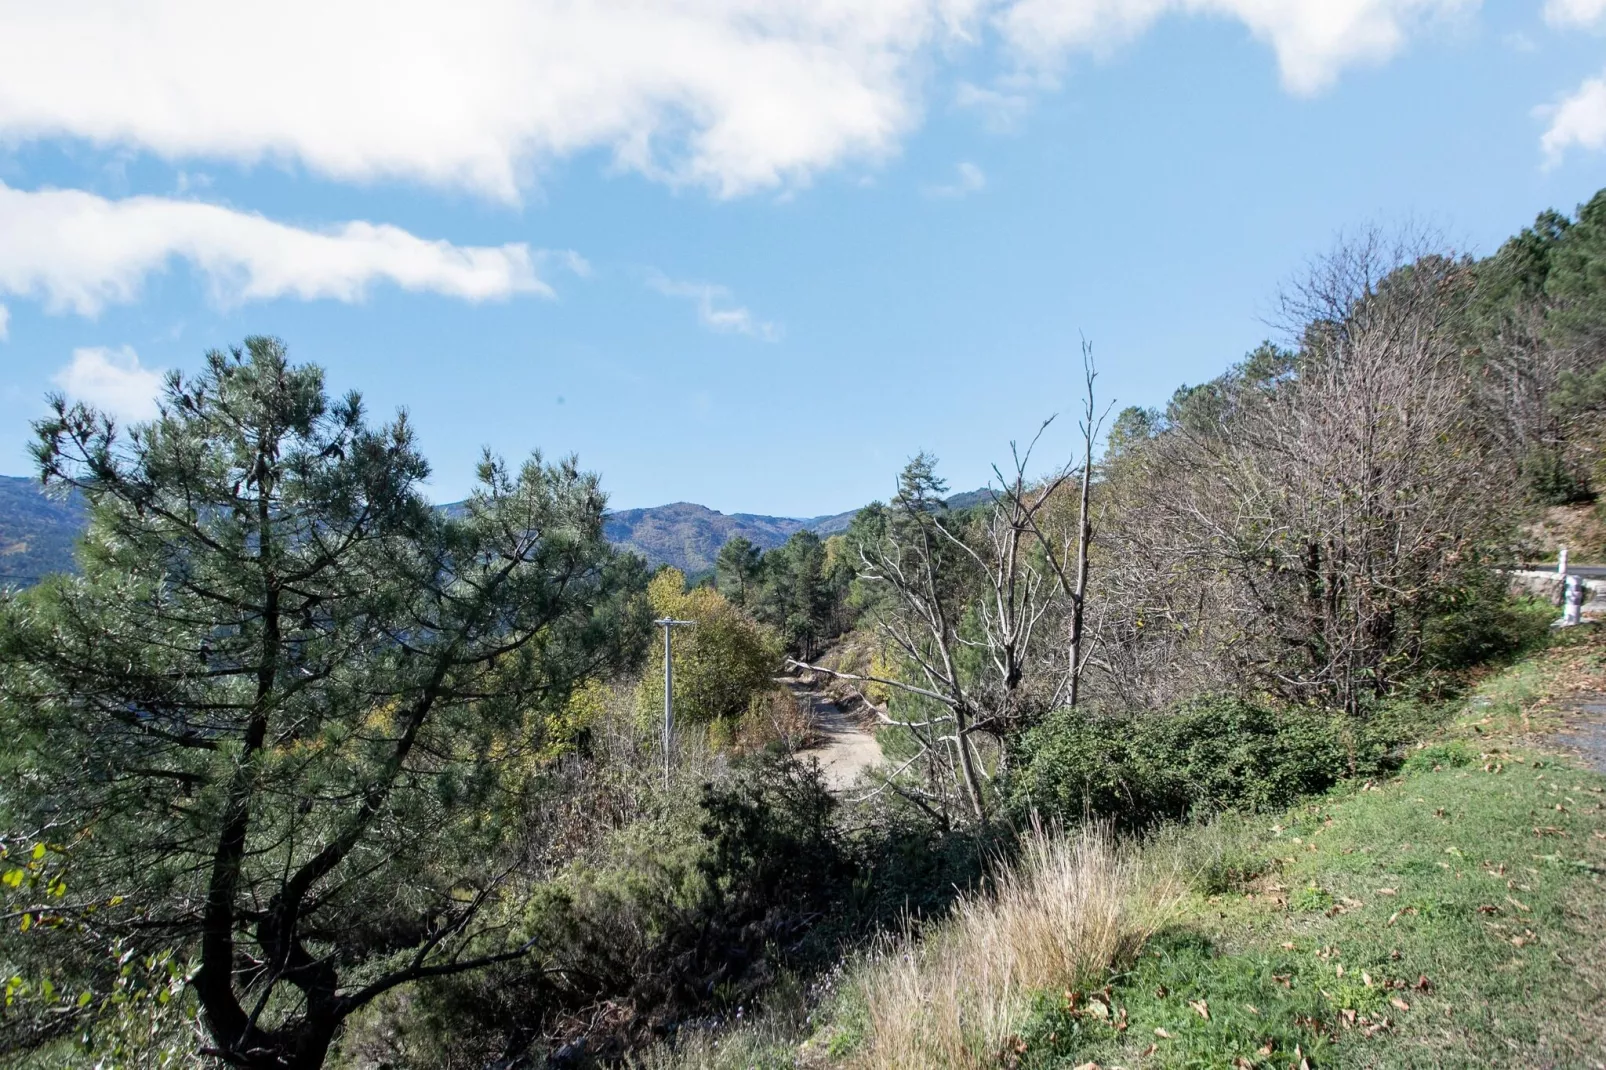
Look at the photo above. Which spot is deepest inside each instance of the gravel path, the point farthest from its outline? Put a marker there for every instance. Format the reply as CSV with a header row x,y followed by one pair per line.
x,y
848,749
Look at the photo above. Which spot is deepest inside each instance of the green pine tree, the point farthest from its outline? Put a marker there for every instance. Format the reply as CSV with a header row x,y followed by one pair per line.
x,y
280,715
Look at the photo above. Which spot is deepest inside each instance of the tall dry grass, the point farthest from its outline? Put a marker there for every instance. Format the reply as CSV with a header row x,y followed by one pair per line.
x,y
1058,918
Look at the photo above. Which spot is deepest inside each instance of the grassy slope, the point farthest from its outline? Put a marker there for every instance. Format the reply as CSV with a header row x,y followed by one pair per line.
x,y
1453,916
1450,917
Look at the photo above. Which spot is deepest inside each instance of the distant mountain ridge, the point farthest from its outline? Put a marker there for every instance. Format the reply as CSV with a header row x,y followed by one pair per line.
x,y
689,536
37,530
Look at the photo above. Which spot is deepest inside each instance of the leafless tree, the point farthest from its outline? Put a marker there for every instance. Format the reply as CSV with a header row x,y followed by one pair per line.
x,y
977,604
1295,524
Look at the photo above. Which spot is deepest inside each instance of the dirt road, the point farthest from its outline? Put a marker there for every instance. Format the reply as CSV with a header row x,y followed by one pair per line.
x,y
848,749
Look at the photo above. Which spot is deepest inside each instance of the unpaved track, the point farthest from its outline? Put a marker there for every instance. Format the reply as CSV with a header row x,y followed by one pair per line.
x,y
848,749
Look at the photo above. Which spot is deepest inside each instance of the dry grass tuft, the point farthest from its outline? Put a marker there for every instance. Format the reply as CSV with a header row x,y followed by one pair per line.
x,y
1059,918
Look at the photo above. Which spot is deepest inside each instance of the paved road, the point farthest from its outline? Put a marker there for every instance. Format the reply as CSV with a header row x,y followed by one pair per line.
x,y
1588,572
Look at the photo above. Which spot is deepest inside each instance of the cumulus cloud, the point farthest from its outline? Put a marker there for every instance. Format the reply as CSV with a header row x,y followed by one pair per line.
x,y
1575,12
1313,39
968,179
5,323
716,308
112,381
734,95
1578,121
79,252
731,95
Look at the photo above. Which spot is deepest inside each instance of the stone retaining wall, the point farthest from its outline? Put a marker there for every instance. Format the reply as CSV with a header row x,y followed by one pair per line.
x,y
1547,585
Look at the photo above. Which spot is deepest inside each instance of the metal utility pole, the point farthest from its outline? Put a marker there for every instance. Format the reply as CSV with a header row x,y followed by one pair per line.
x,y
669,625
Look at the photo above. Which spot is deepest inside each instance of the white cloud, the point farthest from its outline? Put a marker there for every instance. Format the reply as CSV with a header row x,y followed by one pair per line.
x,y
730,95
1518,41
734,95
968,179
112,381
1001,107
80,252
1313,39
1578,121
716,308
5,323
1574,12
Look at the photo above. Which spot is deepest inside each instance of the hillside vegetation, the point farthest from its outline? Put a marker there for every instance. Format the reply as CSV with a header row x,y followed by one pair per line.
x,y
37,531
1439,917
689,537
1222,742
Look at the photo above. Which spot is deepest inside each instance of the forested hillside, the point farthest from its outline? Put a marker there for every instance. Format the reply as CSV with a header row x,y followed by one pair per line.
x,y
1221,742
37,531
689,537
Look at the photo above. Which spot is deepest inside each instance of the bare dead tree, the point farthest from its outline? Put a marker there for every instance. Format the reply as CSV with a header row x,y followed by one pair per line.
x,y
1293,525
1057,552
976,602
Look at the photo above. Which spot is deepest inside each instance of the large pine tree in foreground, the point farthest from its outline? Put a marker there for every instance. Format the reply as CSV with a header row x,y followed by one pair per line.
x,y
285,713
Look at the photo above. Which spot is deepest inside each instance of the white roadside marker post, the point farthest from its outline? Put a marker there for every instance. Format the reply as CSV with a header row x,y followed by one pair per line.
x,y
1572,601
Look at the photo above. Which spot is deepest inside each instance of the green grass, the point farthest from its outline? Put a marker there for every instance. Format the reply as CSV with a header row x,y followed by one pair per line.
x,y
1450,917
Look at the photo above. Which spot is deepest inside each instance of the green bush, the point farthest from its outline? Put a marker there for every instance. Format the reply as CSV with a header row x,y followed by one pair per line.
x,y
1206,755
681,916
1480,622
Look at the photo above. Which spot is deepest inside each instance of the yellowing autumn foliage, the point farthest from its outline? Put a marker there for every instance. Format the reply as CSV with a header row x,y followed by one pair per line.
x,y
720,662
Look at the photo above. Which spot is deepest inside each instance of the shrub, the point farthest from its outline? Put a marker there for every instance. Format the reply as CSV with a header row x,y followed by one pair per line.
x,y
1480,622
720,664
1452,755
1208,754
774,722
684,914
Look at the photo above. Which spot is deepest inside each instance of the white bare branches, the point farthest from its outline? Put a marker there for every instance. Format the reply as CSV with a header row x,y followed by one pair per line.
x,y
986,611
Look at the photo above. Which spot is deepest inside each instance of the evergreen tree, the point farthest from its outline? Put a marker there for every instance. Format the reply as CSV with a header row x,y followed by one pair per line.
x,y
738,569
276,718
808,602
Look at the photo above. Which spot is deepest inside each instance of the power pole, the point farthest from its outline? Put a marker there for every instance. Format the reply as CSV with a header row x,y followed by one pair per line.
x,y
668,625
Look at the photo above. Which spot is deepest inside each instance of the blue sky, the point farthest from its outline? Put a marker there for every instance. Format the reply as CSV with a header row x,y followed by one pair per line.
x,y
748,254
